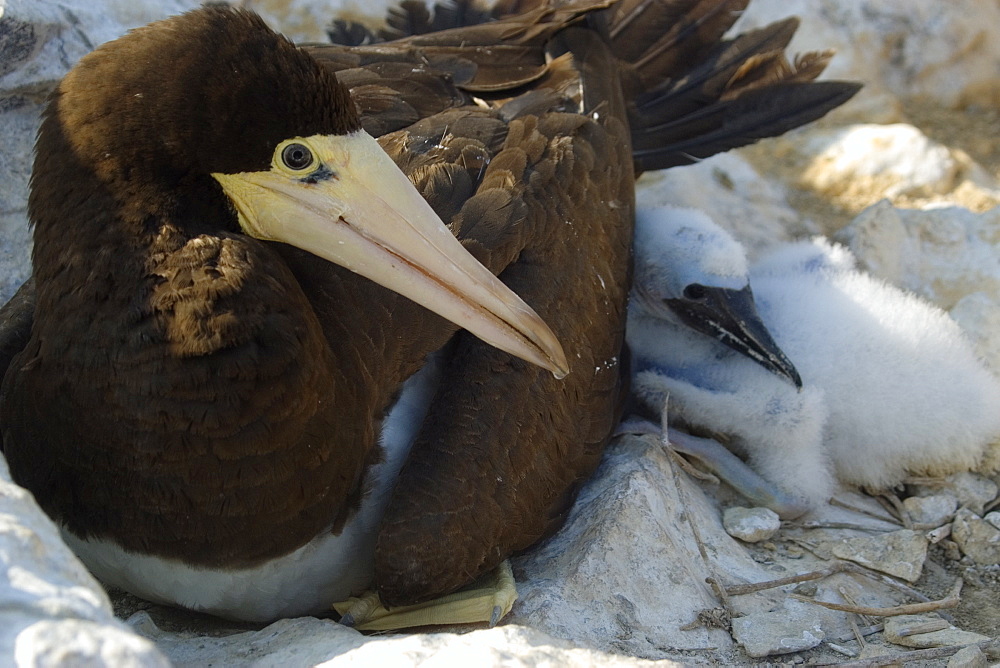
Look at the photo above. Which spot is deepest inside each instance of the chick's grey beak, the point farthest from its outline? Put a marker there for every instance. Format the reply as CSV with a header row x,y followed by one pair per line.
x,y
731,317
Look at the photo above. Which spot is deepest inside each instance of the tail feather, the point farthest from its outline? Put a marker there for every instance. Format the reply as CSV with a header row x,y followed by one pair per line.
x,y
689,92
761,112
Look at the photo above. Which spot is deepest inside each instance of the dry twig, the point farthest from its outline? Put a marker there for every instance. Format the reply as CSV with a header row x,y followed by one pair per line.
x,y
950,601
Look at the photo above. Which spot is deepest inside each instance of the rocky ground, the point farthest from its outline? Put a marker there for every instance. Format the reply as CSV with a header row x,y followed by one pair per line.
x,y
907,175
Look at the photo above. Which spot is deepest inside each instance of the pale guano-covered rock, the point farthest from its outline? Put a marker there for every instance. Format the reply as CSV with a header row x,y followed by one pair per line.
x,y
624,573
978,314
731,192
52,612
976,537
933,510
309,641
899,630
894,159
947,52
901,553
973,490
941,254
968,657
751,525
778,632
39,41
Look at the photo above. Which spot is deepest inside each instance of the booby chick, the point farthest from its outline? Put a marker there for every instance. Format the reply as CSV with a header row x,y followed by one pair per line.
x,y
202,389
889,384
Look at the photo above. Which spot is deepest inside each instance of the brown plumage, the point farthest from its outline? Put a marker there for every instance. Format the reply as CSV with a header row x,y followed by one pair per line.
x,y
214,398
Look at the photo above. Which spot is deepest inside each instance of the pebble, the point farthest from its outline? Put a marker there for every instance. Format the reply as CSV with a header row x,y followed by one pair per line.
x,y
968,657
768,633
933,510
900,553
751,525
897,628
977,538
973,490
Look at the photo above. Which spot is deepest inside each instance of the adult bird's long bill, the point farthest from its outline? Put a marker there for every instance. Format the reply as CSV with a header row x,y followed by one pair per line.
x,y
342,198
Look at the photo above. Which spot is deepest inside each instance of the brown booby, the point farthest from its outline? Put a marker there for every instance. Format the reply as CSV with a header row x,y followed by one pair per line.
x,y
201,378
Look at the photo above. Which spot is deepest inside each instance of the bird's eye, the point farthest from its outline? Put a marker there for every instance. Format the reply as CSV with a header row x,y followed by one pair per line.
x,y
695,292
296,157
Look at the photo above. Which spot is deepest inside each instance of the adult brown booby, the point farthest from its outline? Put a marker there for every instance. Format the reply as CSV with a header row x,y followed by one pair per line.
x,y
200,380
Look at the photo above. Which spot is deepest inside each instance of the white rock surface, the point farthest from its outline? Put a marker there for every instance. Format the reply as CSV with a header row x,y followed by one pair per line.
x,y
948,52
52,612
942,254
896,632
778,632
751,525
613,550
973,490
900,553
968,657
308,641
39,41
734,194
976,537
932,510
898,158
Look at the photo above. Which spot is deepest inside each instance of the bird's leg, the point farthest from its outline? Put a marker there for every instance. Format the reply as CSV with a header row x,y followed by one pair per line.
x,y
723,463
487,600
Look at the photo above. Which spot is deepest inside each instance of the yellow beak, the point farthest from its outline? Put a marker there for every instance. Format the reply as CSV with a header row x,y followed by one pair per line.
x,y
351,205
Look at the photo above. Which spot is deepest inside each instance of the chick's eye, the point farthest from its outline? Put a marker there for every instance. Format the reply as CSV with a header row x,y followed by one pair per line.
x,y
695,292
296,156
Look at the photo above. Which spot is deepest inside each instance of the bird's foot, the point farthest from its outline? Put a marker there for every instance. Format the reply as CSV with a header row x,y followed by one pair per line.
x,y
723,463
487,600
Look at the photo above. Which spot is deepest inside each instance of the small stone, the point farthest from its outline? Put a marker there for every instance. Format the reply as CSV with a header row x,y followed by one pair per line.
x,y
968,657
806,589
976,537
900,553
933,510
993,518
951,551
751,525
768,633
974,491
897,631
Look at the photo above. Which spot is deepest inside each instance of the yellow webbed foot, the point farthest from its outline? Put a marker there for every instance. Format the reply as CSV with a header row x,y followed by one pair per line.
x,y
487,600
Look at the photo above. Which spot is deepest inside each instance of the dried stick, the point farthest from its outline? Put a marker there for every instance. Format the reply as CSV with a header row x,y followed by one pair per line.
x,y
949,601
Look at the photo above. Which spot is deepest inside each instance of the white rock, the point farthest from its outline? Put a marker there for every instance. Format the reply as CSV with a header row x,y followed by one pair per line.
x,y
52,612
968,657
993,518
308,641
948,52
973,491
932,510
728,189
581,585
751,525
901,553
896,631
978,314
769,633
942,254
898,159
39,41
976,537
